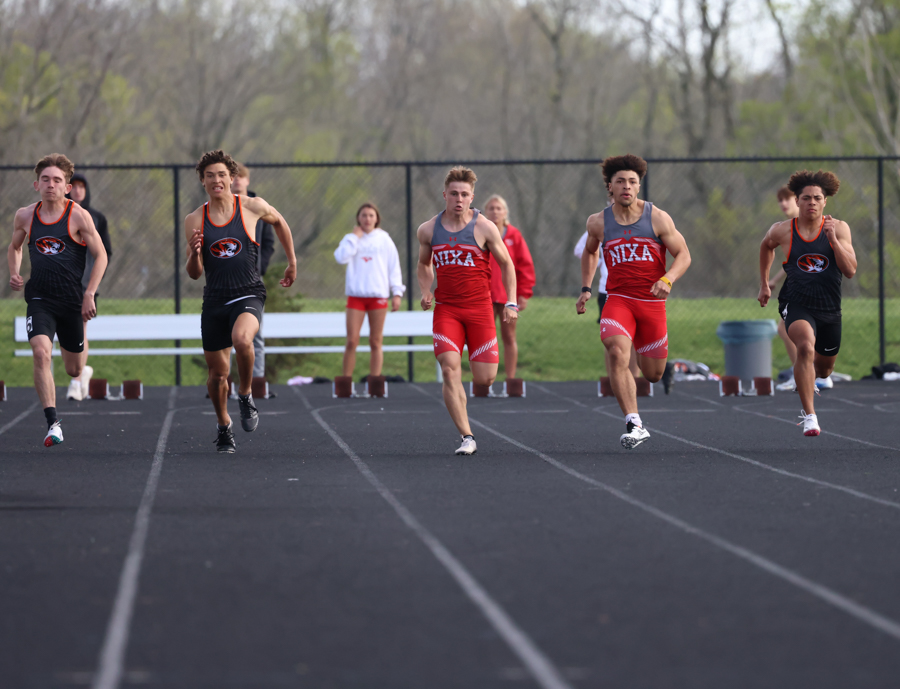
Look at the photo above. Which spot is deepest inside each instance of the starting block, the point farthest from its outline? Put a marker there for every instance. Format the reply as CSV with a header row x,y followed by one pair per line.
x,y
730,385
2,391
476,390
376,386
644,387
98,389
762,386
343,386
514,387
132,390
259,388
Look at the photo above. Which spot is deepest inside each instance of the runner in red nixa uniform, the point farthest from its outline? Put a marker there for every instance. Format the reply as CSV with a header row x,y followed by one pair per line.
x,y
457,245
635,236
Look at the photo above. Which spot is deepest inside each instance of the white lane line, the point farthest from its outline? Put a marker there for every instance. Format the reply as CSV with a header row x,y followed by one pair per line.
x,y
698,397
851,607
851,402
115,644
539,665
100,413
16,420
762,465
824,432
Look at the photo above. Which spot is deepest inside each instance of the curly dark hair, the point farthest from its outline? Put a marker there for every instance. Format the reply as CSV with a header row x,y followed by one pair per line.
x,y
827,181
217,156
615,164
55,160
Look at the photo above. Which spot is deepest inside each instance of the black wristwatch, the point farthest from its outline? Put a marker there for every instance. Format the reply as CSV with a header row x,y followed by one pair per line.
x,y
586,289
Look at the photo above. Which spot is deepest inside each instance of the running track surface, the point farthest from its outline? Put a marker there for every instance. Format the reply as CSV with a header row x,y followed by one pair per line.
x,y
344,545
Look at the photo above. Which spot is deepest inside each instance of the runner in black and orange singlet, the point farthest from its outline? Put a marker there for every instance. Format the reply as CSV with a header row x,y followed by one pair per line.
x,y
818,253
60,233
457,244
221,237
635,236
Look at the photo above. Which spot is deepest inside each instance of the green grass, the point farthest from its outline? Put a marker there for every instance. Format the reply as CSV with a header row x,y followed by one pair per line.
x,y
554,343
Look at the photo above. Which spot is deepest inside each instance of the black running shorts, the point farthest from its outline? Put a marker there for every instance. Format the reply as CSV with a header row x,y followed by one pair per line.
x,y
45,317
827,330
217,321
601,300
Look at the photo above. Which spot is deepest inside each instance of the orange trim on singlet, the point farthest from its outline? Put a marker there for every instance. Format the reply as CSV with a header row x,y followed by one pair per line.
x,y
206,213
243,224
69,229
37,212
790,246
808,241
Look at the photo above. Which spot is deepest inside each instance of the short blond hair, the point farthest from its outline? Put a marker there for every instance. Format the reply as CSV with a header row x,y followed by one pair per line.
x,y
499,199
460,174
56,160
243,171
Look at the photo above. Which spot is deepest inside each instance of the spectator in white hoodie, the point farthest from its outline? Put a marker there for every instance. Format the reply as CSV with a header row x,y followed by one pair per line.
x,y
373,277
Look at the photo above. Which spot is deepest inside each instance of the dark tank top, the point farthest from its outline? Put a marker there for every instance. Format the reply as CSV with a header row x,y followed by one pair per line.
x,y
57,261
813,277
462,267
230,259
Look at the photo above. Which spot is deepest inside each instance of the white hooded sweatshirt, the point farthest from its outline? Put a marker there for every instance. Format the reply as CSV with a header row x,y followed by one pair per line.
x,y
373,265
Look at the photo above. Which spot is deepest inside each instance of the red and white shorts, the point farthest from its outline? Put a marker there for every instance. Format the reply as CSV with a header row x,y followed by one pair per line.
x,y
642,322
456,326
366,303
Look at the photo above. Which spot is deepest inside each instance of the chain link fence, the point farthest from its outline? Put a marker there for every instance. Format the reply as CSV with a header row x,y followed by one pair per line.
x,y
722,206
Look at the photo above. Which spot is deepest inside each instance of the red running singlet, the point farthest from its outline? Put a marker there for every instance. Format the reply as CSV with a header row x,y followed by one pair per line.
x,y
635,257
463,269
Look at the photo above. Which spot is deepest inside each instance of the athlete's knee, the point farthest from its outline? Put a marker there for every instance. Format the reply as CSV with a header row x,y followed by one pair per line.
x,y
654,376
451,370
376,342
42,357
242,341
806,349
74,368
352,343
482,378
824,369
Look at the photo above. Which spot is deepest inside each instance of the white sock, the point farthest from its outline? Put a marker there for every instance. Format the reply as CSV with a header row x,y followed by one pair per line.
x,y
634,418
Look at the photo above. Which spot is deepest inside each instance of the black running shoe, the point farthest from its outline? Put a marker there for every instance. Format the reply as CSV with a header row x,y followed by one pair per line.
x,y
249,413
668,377
225,439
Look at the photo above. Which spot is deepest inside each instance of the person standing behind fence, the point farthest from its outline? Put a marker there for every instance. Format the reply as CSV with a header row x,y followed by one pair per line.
x,y
818,254
81,194
60,233
265,235
497,211
373,277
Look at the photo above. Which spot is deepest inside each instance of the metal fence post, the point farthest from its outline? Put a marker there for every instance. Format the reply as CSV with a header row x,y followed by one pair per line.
x,y
881,334
409,261
176,213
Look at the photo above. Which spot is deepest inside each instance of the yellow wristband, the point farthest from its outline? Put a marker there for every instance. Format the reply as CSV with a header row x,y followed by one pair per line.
x,y
666,280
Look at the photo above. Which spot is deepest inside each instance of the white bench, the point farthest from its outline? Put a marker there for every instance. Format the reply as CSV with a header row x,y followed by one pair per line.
x,y
186,326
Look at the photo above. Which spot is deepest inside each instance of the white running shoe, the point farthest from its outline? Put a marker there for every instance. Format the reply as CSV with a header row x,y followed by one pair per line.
x,y
824,383
85,379
468,446
810,423
787,386
75,391
633,436
54,435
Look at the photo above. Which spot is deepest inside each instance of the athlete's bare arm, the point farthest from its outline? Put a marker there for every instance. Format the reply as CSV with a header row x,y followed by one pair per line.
x,y
487,232
424,267
21,225
83,224
673,240
838,233
258,209
193,232
589,258
778,235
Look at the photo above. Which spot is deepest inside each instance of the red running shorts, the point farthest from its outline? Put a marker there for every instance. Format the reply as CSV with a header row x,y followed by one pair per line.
x,y
456,326
366,303
642,322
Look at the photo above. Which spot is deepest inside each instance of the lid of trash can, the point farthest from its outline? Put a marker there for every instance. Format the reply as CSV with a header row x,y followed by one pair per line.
x,y
742,332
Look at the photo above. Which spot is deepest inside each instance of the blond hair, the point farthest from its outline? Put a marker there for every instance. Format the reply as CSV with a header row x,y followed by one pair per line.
x,y
56,160
460,174
243,171
502,201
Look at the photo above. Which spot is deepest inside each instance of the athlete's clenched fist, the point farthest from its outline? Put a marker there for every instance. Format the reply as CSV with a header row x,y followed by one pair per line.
x,y
427,298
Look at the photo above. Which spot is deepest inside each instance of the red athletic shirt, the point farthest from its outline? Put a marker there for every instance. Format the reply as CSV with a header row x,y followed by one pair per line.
x,y
521,258
635,257
463,269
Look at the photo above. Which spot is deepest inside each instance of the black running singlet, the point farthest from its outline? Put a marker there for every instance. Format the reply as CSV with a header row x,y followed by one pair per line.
x,y
813,277
230,259
57,260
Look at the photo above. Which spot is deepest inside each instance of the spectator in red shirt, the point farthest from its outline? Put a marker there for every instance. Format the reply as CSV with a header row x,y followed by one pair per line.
x,y
496,210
